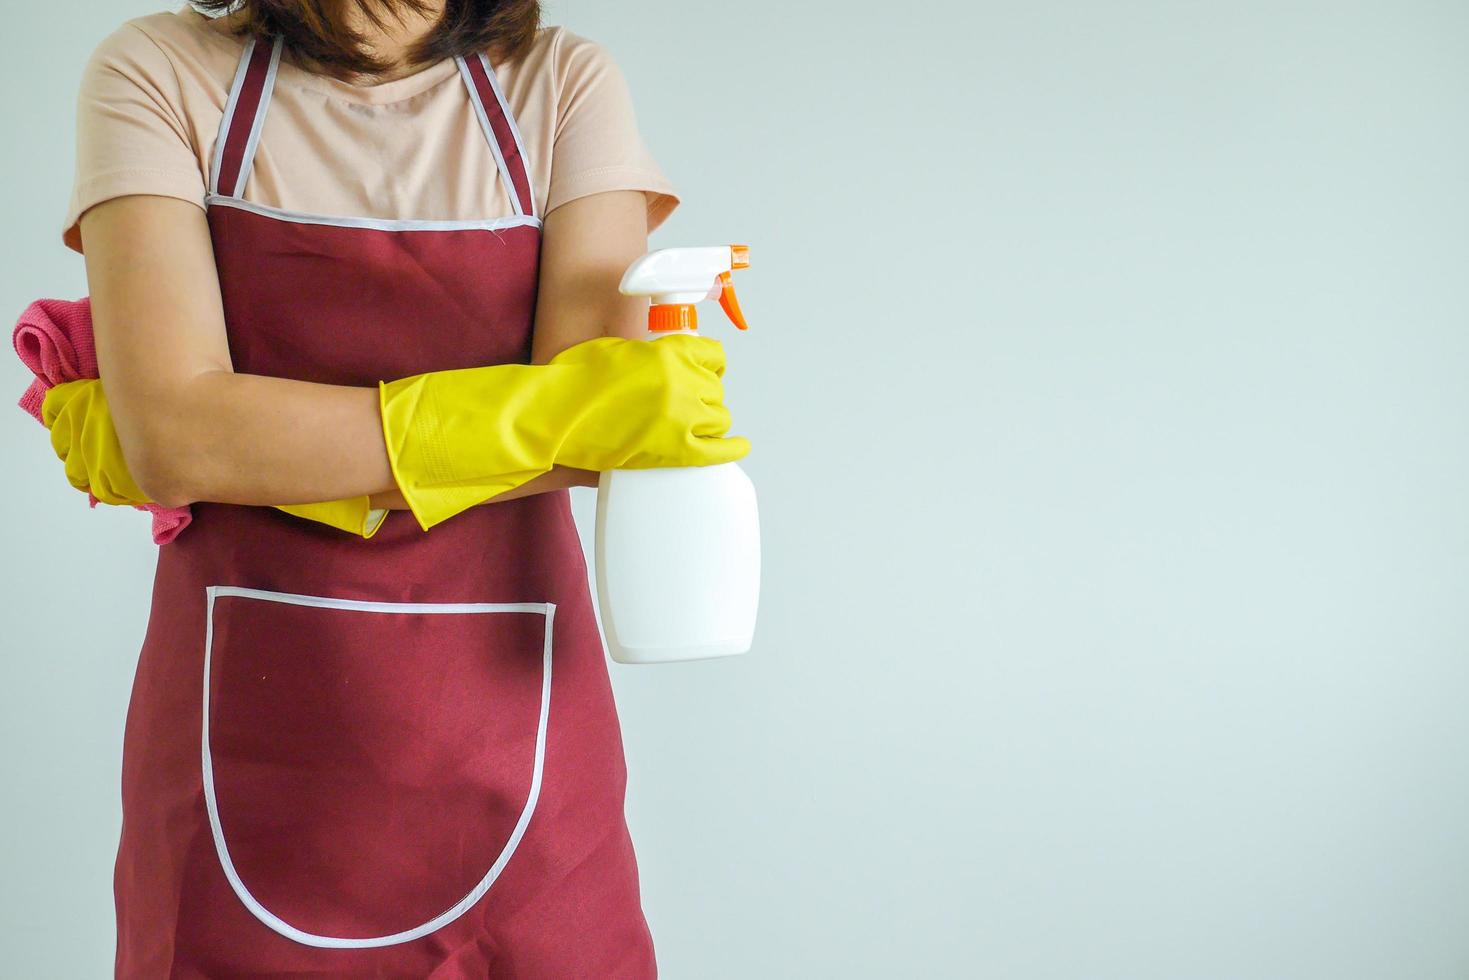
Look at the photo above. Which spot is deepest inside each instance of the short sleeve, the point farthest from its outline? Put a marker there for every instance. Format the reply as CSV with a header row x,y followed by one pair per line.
x,y
597,144
130,133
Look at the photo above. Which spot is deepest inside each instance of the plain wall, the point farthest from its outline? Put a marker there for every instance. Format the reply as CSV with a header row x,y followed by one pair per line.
x,y
1107,384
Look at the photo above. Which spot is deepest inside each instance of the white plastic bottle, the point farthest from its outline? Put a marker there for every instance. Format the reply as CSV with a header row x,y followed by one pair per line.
x,y
678,550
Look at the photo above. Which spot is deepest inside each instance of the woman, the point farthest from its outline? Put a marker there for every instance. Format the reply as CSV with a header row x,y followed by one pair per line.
x,y
353,269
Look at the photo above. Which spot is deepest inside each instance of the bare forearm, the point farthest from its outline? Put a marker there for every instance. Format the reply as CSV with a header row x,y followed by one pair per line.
x,y
250,439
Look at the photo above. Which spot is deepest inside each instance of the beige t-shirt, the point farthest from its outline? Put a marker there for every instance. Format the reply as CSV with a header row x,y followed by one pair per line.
x,y
154,92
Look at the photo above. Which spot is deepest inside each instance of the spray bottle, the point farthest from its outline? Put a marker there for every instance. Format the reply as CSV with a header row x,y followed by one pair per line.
x,y
678,549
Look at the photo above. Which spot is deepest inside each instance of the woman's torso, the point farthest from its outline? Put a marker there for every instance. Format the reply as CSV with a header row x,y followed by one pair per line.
x,y
362,757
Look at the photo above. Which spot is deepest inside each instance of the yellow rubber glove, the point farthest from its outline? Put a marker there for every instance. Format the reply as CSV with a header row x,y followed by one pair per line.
x,y
83,436
457,438
355,515
85,440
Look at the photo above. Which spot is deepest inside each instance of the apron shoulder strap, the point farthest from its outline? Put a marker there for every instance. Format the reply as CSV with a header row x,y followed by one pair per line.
x,y
500,130
239,130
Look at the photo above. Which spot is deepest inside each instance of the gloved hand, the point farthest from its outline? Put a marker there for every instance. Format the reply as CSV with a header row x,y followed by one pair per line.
x,y
457,438
83,436
85,439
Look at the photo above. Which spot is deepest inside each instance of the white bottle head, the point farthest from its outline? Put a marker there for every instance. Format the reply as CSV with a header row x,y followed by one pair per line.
x,y
675,279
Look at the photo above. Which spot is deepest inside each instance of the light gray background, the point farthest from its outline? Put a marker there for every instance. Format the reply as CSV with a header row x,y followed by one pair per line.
x,y
1107,388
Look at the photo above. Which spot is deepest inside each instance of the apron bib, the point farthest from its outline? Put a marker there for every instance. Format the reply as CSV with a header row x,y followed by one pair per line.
x,y
395,757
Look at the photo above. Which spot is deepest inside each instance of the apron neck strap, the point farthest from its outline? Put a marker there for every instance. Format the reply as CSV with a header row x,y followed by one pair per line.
x,y
239,130
500,130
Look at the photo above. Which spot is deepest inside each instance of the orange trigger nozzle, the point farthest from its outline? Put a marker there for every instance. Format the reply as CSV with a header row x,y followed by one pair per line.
x,y
730,302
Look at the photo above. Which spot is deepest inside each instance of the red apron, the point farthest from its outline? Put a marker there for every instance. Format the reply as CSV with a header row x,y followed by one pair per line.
x,y
395,757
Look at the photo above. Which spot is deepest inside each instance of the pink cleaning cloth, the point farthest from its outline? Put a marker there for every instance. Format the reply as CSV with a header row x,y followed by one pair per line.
x,y
53,337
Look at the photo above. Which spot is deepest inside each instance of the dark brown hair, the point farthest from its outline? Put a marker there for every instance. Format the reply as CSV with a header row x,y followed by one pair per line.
x,y
321,31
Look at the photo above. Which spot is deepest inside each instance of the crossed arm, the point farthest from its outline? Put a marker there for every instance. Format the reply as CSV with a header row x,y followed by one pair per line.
x,y
192,429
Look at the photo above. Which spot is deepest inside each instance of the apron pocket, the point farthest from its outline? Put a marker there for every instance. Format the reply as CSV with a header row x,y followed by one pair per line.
x,y
370,767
